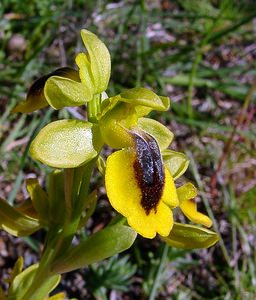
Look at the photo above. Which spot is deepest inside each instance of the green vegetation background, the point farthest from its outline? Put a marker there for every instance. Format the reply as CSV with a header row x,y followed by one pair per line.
x,y
200,53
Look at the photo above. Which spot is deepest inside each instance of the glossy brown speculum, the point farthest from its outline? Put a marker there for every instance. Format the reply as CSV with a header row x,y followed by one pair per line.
x,y
149,170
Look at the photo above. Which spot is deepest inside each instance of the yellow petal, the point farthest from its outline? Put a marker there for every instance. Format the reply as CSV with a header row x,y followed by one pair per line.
x,y
189,209
170,196
121,186
148,225
125,196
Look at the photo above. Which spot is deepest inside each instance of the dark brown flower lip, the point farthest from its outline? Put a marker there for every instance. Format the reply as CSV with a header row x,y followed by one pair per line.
x,y
149,170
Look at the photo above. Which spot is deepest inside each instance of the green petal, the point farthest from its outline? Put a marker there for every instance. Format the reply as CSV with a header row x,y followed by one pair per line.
x,y
108,105
190,237
99,63
60,92
145,97
64,144
35,97
186,192
114,124
16,223
162,134
176,162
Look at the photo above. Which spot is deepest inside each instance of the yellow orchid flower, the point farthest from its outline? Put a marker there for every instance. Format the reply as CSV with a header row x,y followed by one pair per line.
x,y
140,177
141,188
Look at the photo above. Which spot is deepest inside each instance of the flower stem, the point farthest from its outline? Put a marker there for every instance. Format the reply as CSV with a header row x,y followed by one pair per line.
x,y
59,238
68,183
43,272
93,108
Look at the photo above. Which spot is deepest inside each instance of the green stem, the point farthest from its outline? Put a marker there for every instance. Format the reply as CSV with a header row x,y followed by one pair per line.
x,y
93,108
72,221
43,272
156,284
68,184
59,239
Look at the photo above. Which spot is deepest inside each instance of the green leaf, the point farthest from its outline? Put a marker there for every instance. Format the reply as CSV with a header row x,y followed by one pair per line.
x,y
64,144
187,236
39,198
24,280
16,223
35,97
17,269
103,244
145,97
162,134
27,208
60,92
176,162
97,65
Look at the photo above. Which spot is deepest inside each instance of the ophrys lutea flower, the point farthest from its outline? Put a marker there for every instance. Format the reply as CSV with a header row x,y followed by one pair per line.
x,y
140,186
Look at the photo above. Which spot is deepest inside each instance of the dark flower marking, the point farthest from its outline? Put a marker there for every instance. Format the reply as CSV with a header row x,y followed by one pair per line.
x,y
149,170
37,87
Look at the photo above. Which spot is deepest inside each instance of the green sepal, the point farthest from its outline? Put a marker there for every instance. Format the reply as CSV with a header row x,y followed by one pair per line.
x,y
161,133
176,162
61,92
187,236
64,144
39,199
186,192
145,97
35,97
24,280
94,66
103,244
55,188
16,223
